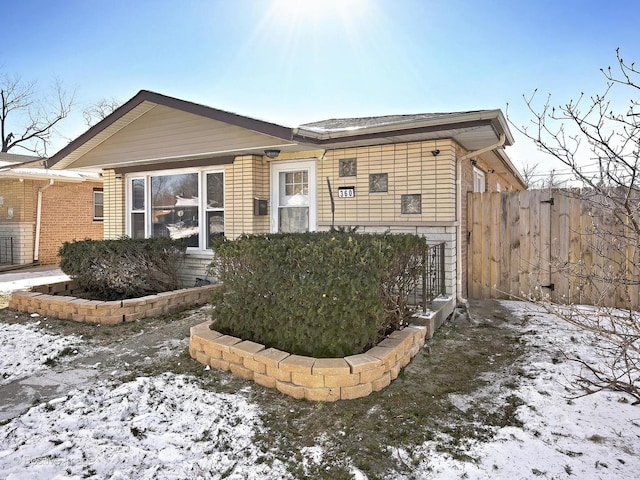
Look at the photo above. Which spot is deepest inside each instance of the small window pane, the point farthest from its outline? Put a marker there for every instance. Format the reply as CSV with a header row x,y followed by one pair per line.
x,y
296,186
137,194
98,205
137,225
174,207
378,182
215,220
479,184
293,219
410,204
348,167
215,190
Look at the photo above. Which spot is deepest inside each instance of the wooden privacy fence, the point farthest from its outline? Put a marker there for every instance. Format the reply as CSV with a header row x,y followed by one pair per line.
x,y
563,245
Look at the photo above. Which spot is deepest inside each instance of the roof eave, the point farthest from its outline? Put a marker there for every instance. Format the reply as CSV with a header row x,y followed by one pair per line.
x,y
511,167
461,120
18,175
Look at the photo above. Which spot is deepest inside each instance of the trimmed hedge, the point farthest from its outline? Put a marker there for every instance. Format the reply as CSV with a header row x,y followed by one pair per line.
x,y
123,268
325,294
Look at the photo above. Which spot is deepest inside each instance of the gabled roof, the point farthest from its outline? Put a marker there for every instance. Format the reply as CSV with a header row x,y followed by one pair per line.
x,y
474,130
142,102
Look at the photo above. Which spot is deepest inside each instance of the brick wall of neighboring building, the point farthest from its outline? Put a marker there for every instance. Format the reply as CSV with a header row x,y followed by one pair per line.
x,y
17,201
17,224
67,215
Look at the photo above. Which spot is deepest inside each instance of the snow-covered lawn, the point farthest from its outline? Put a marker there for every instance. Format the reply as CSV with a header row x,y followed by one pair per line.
x,y
592,437
161,427
167,426
25,350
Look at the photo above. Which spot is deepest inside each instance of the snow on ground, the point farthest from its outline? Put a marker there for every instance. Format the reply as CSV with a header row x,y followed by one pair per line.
x,y
592,437
149,428
25,350
167,427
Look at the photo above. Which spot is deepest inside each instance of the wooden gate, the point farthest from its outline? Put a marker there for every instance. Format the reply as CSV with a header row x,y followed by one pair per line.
x,y
556,244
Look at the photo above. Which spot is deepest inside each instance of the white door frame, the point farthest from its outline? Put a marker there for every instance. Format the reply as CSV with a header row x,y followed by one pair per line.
x,y
278,167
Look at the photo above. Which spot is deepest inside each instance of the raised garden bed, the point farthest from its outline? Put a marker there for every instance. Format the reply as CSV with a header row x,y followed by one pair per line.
x,y
317,379
58,300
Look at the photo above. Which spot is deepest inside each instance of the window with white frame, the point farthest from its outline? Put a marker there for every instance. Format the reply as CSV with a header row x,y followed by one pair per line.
x,y
479,183
214,205
177,204
137,201
98,204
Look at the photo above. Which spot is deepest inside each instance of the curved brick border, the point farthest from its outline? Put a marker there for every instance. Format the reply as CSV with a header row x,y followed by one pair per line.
x,y
56,300
318,379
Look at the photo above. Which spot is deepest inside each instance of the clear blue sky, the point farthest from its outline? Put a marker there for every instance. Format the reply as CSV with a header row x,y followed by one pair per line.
x,y
296,61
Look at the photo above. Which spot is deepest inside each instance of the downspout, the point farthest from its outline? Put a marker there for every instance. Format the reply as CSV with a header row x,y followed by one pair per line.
x,y
466,156
36,247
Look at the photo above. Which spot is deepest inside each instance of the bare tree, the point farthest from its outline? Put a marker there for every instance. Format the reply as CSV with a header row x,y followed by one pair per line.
x,y
530,174
99,110
536,179
597,127
554,179
28,119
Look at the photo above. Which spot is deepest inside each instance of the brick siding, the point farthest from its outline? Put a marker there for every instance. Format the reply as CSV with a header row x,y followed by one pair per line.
x,y
67,215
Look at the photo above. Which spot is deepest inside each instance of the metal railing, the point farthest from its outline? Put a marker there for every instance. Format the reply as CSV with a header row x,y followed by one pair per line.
x,y
433,284
6,251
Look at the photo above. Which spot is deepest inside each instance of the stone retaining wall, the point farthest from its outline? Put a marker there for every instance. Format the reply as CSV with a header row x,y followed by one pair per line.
x,y
318,379
57,300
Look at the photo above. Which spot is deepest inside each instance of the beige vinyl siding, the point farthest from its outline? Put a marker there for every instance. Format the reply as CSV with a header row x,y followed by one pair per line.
x,y
411,169
247,178
104,134
114,205
194,266
163,133
261,190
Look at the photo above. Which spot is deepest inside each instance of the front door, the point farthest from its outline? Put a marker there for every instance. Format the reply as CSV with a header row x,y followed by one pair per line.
x,y
293,196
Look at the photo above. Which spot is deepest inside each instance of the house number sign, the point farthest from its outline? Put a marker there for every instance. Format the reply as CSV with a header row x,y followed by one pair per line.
x,y
346,192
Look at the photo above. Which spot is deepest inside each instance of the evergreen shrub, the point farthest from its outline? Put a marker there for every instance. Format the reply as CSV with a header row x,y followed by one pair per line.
x,y
123,268
323,294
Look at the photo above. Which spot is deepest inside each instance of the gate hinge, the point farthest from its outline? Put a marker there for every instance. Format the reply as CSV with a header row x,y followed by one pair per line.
x,y
550,201
551,286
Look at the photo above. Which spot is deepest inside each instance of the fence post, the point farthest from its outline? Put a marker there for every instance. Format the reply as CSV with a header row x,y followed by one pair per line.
x,y
443,289
425,259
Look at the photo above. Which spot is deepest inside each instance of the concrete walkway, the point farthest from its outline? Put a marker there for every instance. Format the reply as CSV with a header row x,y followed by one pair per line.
x,y
24,278
106,359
